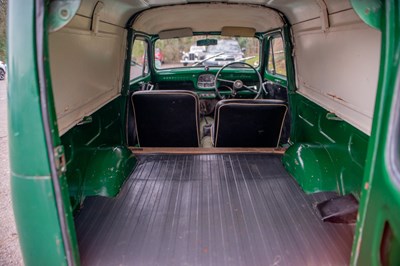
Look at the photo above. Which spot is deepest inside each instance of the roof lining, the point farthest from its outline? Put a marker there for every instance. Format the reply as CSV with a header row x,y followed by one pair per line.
x,y
207,17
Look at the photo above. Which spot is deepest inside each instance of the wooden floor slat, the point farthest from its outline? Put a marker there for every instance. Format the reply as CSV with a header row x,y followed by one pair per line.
x,y
162,150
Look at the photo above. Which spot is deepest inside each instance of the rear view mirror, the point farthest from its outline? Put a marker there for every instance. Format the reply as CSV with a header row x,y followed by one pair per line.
x,y
206,42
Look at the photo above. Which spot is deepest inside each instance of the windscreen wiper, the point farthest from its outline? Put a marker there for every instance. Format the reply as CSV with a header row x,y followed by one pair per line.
x,y
208,58
244,59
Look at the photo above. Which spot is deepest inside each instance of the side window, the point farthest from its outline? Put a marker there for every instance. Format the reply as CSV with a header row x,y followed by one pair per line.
x,y
139,59
276,56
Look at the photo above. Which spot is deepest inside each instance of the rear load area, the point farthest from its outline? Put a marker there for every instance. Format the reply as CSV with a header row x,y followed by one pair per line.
x,y
138,159
226,209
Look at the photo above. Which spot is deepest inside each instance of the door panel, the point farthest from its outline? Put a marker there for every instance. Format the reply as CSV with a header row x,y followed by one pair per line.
x,y
377,239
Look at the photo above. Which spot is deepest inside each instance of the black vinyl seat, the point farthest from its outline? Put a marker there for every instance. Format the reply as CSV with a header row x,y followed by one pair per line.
x,y
248,123
166,118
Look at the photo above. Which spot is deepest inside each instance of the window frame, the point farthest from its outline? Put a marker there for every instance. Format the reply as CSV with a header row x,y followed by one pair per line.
x,y
270,47
145,72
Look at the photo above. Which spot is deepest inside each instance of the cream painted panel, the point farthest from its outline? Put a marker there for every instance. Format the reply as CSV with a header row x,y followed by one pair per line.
x,y
86,69
339,68
337,5
118,12
207,17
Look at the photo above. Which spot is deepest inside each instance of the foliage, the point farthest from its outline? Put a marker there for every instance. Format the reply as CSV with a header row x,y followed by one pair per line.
x,y
255,61
138,50
3,26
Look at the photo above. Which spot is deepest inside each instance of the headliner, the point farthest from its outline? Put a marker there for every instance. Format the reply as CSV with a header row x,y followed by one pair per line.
x,y
207,18
118,12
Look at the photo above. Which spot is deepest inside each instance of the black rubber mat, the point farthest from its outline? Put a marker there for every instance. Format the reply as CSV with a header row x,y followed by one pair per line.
x,y
210,210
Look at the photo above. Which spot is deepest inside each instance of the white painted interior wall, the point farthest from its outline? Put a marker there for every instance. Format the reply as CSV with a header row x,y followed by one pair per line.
x,y
338,68
86,69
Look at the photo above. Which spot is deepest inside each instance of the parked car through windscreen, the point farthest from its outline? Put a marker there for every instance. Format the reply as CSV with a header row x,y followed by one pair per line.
x,y
195,54
226,51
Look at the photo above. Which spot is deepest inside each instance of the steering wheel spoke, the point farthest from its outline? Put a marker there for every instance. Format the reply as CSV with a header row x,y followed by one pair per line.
x,y
251,88
225,80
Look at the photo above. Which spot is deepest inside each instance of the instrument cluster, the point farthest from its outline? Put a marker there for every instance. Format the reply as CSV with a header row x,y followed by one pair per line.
x,y
206,81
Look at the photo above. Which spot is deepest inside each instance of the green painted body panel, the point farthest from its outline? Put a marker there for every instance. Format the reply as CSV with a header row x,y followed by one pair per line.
x,y
31,187
280,80
328,154
107,170
369,11
35,212
97,160
23,81
380,198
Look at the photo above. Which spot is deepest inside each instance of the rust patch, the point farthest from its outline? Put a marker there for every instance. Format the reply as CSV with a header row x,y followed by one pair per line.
x,y
336,97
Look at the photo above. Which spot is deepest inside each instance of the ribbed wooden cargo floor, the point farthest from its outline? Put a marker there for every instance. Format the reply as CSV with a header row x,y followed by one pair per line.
x,y
210,210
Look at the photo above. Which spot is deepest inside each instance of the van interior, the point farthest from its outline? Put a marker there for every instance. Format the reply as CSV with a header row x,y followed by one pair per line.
x,y
213,133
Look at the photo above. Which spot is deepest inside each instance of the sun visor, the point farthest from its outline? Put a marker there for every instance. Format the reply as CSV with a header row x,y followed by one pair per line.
x,y
175,33
238,31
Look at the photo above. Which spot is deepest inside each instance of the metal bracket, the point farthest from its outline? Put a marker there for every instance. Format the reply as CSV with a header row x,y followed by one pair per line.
x,y
85,120
59,156
96,17
61,12
333,116
323,14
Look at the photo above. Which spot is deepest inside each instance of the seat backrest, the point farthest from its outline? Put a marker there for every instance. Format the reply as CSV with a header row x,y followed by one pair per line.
x,y
248,123
166,118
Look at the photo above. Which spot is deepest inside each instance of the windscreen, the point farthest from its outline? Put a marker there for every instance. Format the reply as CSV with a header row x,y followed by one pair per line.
x,y
201,50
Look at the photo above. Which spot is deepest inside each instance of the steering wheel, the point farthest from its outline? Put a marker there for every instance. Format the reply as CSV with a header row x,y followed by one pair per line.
x,y
238,85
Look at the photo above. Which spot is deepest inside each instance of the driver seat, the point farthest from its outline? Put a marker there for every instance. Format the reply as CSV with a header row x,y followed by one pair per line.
x,y
248,123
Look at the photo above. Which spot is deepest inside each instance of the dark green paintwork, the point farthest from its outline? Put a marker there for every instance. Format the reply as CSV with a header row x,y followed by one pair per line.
x,y
369,11
107,170
275,79
98,162
192,74
37,222
327,154
380,198
61,13
31,186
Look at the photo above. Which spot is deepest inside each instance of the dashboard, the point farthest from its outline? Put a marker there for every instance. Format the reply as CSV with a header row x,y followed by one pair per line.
x,y
201,81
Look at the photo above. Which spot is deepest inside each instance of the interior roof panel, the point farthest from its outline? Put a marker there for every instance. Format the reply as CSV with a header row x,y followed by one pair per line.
x,y
118,12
